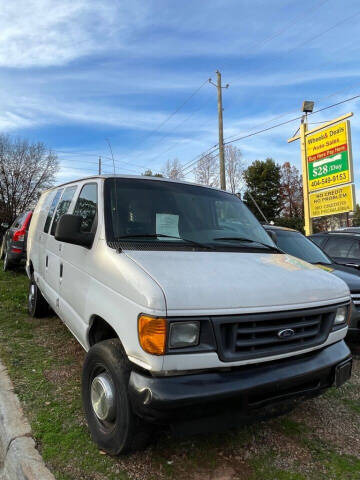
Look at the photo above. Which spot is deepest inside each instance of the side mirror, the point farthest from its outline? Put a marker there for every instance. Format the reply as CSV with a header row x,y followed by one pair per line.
x,y
5,225
68,230
272,235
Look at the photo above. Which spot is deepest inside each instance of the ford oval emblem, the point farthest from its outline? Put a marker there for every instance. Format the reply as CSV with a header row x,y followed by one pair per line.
x,y
286,333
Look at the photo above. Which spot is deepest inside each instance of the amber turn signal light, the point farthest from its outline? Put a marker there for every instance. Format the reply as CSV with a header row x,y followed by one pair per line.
x,y
152,334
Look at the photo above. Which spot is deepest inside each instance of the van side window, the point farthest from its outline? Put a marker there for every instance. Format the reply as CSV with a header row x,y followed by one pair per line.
x,y
86,207
52,210
63,206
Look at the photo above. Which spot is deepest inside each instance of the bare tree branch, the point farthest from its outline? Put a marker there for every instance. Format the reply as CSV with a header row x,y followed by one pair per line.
x,y
25,170
207,171
173,169
234,167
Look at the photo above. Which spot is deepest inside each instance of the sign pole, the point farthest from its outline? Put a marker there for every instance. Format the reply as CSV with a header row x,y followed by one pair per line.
x,y
308,221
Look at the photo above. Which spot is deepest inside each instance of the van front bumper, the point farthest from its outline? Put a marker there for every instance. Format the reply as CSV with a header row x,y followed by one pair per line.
x,y
244,389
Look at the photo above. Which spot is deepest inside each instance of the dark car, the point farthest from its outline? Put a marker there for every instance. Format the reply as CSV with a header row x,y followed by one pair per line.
x,y
297,245
342,246
13,245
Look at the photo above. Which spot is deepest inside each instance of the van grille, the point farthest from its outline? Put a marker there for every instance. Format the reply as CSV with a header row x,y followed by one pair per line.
x,y
355,297
243,337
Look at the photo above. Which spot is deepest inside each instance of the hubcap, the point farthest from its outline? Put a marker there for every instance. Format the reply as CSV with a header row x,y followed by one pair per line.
x,y
32,294
103,398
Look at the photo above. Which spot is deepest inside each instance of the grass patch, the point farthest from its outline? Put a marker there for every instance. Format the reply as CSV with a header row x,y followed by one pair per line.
x,y
44,362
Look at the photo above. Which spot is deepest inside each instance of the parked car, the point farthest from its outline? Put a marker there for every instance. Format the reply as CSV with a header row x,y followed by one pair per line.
x,y
185,306
13,245
349,229
294,243
341,246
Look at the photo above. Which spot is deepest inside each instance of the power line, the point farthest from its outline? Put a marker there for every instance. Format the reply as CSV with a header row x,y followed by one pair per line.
x,y
325,31
291,120
282,123
281,31
296,110
313,38
182,139
174,112
298,46
189,164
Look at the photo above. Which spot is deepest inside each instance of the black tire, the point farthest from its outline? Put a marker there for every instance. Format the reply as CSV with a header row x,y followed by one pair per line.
x,y
37,305
125,432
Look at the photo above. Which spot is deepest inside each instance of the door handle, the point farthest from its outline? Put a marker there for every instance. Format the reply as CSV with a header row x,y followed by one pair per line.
x,y
61,270
47,261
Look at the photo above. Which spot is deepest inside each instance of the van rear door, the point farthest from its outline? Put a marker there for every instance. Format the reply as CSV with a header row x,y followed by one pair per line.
x,y
52,261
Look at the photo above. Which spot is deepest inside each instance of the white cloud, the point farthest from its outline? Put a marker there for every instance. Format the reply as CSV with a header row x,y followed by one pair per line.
x,y
50,32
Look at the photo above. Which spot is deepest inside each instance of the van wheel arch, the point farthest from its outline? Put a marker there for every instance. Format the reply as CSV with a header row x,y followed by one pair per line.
x,y
31,268
101,330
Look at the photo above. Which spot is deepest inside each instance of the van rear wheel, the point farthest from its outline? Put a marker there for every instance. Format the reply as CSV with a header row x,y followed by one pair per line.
x,y
112,424
37,305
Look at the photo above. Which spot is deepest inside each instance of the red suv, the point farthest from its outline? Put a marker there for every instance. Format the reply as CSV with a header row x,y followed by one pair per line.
x,y
13,247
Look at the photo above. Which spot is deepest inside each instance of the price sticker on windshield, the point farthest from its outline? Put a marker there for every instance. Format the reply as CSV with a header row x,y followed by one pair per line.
x,y
329,157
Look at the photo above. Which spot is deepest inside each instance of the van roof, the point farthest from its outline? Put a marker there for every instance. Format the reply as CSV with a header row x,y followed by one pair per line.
x,y
139,177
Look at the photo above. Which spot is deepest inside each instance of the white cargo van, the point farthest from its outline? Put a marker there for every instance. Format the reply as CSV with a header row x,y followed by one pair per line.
x,y
186,307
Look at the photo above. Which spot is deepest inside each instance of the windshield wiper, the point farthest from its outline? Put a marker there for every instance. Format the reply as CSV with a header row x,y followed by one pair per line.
x,y
249,240
161,235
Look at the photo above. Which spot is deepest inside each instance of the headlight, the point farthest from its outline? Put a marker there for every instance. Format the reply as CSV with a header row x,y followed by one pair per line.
x,y
184,334
341,315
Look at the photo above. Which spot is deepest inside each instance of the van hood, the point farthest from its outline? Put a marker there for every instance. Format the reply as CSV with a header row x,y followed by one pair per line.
x,y
227,282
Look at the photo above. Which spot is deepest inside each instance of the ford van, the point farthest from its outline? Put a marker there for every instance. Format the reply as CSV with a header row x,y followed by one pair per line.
x,y
187,309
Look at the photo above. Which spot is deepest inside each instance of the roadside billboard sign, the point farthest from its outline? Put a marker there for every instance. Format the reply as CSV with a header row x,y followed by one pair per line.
x,y
329,159
332,201
327,168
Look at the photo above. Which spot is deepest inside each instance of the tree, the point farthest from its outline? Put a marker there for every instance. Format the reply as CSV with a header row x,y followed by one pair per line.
x,y
291,191
356,216
173,169
206,171
262,180
297,223
234,168
25,170
149,173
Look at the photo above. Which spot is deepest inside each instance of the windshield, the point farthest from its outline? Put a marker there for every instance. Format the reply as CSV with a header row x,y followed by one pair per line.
x,y
160,212
296,244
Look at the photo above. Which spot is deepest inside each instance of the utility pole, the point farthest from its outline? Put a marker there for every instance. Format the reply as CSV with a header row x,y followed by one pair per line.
x,y
308,224
221,129
99,165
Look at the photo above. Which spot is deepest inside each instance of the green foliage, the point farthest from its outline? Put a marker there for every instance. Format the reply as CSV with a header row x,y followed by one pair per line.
x,y
297,223
263,183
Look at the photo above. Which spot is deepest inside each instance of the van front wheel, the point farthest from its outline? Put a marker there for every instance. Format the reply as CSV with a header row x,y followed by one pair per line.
x,y
37,305
105,378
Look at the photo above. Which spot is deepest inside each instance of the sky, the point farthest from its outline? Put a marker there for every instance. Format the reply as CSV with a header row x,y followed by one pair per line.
x,y
79,75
